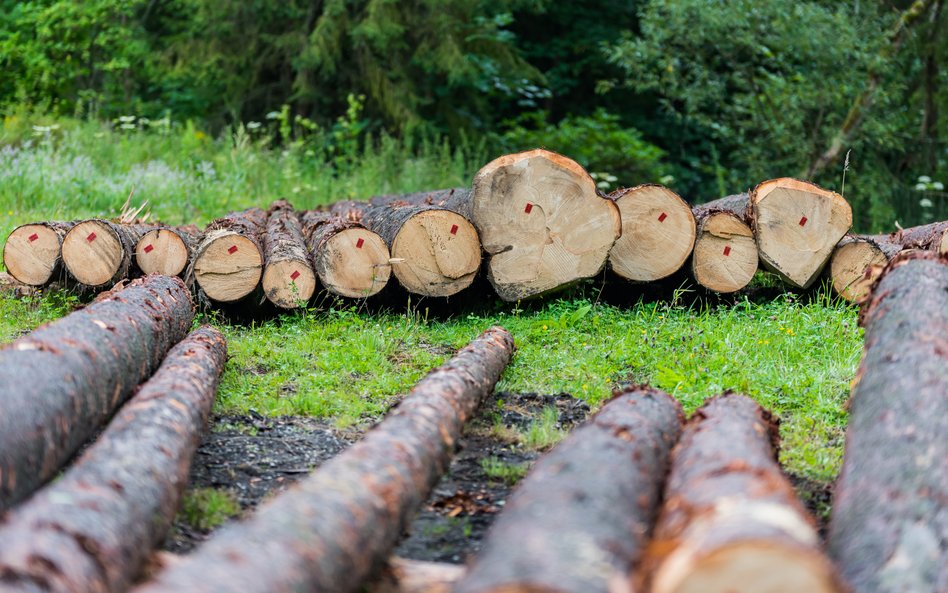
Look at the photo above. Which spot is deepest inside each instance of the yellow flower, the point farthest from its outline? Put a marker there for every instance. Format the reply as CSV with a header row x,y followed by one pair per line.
x,y
545,327
200,135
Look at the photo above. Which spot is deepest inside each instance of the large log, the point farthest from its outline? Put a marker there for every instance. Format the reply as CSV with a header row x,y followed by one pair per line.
x,y
797,224
93,529
542,223
725,255
350,260
228,261
888,528
33,252
59,383
166,250
288,277
333,530
658,233
401,575
99,253
580,520
731,520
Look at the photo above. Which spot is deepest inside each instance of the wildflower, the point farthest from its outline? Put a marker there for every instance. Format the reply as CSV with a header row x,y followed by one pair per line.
x,y
545,327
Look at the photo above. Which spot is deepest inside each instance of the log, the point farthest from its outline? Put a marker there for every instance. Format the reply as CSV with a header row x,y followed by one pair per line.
x,y
927,237
350,260
725,255
166,250
288,277
33,252
731,520
62,381
542,223
94,528
333,530
658,233
579,521
99,253
888,523
797,224
228,261
402,575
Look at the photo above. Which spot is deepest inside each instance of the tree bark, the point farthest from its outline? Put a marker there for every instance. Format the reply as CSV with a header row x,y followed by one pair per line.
x,y
888,524
32,253
288,277
731,520
401,575
166,250
580,520
62,381
228,261
99,253
333,530
93,529
725,256
350,260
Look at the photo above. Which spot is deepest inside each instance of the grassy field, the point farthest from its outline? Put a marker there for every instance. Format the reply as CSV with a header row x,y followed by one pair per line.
x,y
348,363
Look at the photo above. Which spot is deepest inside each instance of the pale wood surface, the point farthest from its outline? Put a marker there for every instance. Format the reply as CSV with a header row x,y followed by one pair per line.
x,y
725,255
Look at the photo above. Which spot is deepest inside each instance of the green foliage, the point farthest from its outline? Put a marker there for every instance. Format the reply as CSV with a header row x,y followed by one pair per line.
x,y
544,432
499,470
206,508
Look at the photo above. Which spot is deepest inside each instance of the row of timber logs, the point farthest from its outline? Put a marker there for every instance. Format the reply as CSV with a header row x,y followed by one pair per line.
x,y
350,260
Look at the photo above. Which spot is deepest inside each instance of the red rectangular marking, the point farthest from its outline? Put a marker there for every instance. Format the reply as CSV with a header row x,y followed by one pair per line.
x,y
295,275
528,208
33,237
359,243
662,217
149,248
454,229
91,237
803,221
727,250
232,250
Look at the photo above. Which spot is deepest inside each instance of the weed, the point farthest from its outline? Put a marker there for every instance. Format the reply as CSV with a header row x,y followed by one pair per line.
x,y
500,471
206,508
545,431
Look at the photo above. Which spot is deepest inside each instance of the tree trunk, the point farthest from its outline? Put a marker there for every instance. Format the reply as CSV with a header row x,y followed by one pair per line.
x,y
580,520
731,520
288,277
401,575
658,233
458,199
228,262
93,529
350,260
59,383
33,252
725,255
927,237
888,524
797,224
166,250
332,531
542,223
99,253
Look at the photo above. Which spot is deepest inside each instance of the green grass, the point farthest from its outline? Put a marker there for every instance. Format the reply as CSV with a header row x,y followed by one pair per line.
x,y
543,432
207,508
500,471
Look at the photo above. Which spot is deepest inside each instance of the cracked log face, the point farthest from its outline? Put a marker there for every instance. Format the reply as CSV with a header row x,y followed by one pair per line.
x,y
725,256
436,253
163,251
854,267
798,225
33,252
353,263
658,233
542,223
228,263
98,253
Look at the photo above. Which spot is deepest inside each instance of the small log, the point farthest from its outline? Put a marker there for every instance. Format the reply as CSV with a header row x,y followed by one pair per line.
x,y
99,253
228,261
401,575
658,233
888,524
166,250
94,528
33,252
725,256
59,383
288,277
731,520
927,237
542,223
333,530
797,224
350,260
580,520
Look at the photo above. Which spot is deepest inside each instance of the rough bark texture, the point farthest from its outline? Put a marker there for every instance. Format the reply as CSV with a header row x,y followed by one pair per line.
x,y
350,260
334,529
288,276
401,575
579,521
92,529
99,253
731,520
725,256
928,237
166,250
889,521
228,262
33,252
456,199
62,381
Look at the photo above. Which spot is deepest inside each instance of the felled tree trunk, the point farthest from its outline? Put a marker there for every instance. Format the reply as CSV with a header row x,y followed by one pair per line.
x,y
401,575
927,237
658,233
99,253
228,261
542,223
888,524
725,255
92,529
797,224
731,520
330,532
350,260
288,277
33,252
166,250
580,520
59,383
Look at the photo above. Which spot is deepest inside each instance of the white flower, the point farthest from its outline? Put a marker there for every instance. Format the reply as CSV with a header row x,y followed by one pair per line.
x,y
925,203
924,179
938,186
920,187
253,125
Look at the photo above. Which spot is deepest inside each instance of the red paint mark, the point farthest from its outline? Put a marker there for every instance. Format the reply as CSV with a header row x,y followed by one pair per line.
x,y
803,221
149,248
359,243
662,217
91,237
528,208
33,237
294,275
454,229
727,250
232,250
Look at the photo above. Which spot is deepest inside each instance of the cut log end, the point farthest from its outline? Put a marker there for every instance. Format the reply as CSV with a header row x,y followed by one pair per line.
x,y
658,233
92,252
725,255
228,266
436,253
854,268
31,253
353,263
161,251
289,284
942,247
